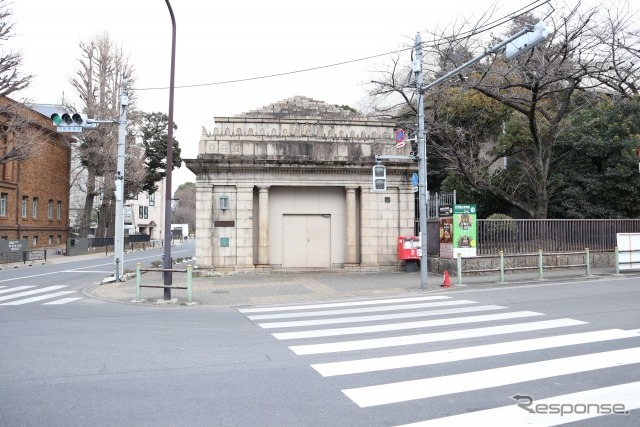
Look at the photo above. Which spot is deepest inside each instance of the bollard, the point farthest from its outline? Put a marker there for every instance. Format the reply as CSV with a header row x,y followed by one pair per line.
x,y
587,261
617,261
540,264
138,278
459,268
501,266
189,293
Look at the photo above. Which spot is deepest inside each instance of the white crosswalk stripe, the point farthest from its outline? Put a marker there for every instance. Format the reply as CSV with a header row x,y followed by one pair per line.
x,y
19,295
395,343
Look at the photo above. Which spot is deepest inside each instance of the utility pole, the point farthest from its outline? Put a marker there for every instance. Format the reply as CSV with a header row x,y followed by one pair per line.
x,y
422,164
118,241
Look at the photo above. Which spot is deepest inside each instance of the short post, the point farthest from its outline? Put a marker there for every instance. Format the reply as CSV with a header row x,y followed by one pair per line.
x,y
587,261
540,264
617,261
189,293
138,279
501,266
459,268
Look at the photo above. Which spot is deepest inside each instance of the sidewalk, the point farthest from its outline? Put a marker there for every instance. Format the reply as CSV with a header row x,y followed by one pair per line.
x,y
300,287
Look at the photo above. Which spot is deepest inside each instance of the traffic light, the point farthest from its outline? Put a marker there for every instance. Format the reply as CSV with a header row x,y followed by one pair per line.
x,y
528,41
379,178
74,122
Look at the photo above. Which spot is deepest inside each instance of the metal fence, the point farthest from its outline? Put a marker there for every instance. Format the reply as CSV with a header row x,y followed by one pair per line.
x,y
521,236
515,236
99,242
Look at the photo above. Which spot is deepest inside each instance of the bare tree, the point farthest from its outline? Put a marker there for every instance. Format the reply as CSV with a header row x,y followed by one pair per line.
x,y
20,137
540,89
184,211
103,66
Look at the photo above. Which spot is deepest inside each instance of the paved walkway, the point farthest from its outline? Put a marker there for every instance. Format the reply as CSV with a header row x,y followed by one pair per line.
x,y
291,287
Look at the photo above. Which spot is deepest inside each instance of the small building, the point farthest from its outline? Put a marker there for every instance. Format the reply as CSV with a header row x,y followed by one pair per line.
x,y
289,186
34,192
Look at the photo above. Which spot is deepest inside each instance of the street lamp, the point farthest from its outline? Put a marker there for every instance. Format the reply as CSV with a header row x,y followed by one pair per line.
x,y
167,264
514,46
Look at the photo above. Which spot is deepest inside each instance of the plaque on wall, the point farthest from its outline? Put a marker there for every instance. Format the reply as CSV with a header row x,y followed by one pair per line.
x,y
224,223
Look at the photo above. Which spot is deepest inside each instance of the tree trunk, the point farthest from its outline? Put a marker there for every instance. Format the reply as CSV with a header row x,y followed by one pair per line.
x,y
88,203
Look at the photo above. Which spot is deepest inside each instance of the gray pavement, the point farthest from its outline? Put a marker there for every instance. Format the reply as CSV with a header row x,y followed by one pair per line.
x,y
277,287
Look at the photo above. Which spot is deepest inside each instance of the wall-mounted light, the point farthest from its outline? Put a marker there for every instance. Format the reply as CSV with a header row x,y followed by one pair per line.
x,y
224,202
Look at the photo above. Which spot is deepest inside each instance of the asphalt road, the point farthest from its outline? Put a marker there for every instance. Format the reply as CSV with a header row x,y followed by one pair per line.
x,y
443,355
59,282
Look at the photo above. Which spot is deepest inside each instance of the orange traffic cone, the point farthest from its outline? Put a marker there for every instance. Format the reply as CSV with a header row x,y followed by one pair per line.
x,y
446,283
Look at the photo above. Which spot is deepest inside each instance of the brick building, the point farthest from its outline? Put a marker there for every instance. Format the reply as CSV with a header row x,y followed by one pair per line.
x,y
289,186
34,193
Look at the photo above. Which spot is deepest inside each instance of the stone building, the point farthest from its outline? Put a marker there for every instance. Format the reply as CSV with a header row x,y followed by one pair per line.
x,y
34,193
289,186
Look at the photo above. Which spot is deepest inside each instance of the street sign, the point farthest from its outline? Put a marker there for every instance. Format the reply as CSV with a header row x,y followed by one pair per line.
x,y
414,182
399,134
69,128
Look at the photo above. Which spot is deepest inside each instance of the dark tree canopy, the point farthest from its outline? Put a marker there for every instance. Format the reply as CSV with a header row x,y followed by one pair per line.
x,y
153,132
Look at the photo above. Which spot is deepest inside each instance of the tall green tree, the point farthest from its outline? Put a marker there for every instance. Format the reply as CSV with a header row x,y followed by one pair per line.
x,y
597,174
153,132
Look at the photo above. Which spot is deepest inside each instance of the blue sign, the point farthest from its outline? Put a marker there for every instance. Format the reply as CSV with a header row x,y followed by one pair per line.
x,y
414,180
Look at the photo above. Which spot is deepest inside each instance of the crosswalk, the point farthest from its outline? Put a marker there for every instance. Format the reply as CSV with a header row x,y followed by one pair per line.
x,y
434,351
48,295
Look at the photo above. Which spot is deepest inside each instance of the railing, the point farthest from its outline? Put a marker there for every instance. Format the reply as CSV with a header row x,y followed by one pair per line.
x,y
139,285
521,236
23,256
540,267
98,242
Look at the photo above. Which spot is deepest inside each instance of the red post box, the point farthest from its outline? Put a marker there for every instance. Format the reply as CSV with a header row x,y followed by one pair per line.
x,y
409,250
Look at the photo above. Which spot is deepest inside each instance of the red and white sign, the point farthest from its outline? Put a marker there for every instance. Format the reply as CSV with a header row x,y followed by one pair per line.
x,y
399,138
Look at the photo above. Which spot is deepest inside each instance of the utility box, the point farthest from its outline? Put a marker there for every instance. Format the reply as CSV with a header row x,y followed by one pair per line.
x,y
410,251
77,246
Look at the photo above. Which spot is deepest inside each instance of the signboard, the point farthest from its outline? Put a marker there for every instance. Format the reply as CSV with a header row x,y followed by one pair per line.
x,y
464,230
399,134
414,182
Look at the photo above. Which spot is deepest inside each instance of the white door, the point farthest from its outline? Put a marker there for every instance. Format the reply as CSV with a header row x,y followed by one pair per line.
x,y
307,241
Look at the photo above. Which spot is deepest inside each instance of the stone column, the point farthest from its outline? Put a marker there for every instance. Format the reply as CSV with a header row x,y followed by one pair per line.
x,y
351,258
204,223
263,226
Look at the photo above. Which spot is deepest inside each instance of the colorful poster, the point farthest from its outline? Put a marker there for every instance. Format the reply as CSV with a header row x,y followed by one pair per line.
x,y
446,235
464,230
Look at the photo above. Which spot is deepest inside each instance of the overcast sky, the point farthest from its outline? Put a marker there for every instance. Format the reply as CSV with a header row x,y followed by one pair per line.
x,y
231,40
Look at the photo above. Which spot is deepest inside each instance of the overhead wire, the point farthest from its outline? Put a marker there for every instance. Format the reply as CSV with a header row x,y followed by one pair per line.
x,y
482,29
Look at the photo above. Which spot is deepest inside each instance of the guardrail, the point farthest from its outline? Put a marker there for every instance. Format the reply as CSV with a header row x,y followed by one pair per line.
x,y
540,265
139,285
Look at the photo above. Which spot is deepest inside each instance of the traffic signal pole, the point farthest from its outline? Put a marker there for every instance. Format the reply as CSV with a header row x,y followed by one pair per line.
x,y
422,165
514,46
118,241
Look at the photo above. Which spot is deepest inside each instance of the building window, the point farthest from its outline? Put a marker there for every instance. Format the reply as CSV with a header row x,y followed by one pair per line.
x,y
152,199
25,202
50,209
143,212
34,212
3,204
51,240
35,240
58,209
